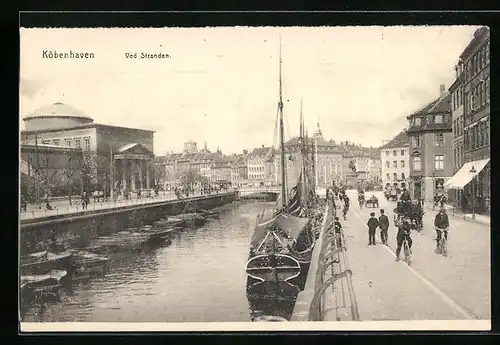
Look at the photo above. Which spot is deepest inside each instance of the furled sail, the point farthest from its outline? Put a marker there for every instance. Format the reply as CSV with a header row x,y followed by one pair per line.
x,y
283,223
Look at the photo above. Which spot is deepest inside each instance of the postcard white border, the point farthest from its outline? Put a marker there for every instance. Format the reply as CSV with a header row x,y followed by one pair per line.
x,y
427,325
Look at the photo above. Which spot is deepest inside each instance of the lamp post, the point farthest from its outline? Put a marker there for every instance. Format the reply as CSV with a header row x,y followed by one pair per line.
x,y
473,171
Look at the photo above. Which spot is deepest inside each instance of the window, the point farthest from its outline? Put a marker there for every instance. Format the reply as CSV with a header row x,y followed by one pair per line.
x,y
487,52
416,141
402,152
56,142
77,143
68,142
387,164
487,132
418,121
438,119
402,164
439,162
417,164
438,139
403,176
487,90
395,164
395,176
394,153
46,142
388,177
455,157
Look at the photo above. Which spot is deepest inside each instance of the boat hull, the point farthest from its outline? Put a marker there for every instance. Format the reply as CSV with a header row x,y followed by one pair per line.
x,y
271,301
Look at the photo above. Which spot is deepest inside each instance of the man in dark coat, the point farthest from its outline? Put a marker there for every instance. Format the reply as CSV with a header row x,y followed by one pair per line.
x,y
383,221
441,225
373,224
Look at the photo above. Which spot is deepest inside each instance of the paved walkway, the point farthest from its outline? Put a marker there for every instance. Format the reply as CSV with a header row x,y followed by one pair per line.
x,y
63,207
457,213
456,287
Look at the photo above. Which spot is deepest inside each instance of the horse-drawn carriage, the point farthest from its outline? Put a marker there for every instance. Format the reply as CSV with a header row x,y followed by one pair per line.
x,y
391,194
412,210
372,202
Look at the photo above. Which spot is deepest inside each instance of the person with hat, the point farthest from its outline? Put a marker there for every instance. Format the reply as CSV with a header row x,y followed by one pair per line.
x,y
383,220
404,231
441,224
373,224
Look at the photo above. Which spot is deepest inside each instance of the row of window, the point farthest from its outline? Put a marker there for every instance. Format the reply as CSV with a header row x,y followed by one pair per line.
x,y
256,169
458,126
395,176
438,140
458,156
394,164
69,142
479,96
256,176
394,153
438,163
480,60
457,98
477,136
436,119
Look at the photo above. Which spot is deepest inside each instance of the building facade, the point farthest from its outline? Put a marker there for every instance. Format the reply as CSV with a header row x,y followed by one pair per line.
x,y
260,166
375,169
327,154
474,67
431,147
395,162
113,155
457,112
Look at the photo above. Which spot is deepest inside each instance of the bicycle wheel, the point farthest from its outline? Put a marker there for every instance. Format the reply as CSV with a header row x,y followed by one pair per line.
x,y
444,249
407,253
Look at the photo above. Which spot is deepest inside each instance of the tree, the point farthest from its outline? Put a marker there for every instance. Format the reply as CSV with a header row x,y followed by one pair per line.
x,y
191,177
160,174
68,175
95,171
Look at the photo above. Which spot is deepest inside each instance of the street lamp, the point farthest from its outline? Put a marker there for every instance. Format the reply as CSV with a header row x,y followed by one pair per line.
x,y
473,171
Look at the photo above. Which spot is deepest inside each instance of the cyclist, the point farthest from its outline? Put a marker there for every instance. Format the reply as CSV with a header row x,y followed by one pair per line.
x,y
404,231
441,224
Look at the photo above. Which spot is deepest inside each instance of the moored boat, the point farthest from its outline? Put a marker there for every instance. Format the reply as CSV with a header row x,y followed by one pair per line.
x,y
43,262
88,264
39,286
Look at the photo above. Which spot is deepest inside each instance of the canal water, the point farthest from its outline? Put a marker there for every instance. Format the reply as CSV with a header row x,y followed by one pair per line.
x,y
200,277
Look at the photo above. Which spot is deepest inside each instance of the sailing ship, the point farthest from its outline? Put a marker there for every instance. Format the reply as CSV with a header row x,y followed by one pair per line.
x,y
281,247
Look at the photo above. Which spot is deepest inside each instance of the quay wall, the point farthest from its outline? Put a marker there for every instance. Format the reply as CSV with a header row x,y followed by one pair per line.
x,y
305,297
76,230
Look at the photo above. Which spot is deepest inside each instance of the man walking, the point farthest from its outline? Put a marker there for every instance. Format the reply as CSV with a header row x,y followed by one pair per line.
x,y
373,224
383,220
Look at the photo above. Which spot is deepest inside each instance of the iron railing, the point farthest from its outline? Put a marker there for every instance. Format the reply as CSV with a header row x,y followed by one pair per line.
x,y
333,275
93,206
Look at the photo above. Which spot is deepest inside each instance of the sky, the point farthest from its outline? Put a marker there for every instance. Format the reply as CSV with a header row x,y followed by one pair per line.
x,y
220,85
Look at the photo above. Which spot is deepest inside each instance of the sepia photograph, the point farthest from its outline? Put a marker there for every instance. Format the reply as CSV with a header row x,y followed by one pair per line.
x,y
254,178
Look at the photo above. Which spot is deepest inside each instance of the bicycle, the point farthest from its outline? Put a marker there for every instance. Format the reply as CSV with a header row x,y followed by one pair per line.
x,y
407,251
443,247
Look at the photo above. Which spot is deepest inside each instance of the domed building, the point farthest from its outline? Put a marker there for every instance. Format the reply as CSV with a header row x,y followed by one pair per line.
x,y
128,152
57,115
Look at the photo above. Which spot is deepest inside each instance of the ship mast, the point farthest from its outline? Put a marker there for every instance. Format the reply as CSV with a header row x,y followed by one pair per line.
x,y
282,139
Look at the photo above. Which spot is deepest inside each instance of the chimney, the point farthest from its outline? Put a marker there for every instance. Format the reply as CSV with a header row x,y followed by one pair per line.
x,y
263,146
245,152
442,89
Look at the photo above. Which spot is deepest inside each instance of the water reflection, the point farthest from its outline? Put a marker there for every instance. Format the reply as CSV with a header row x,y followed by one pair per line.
x,y
199,277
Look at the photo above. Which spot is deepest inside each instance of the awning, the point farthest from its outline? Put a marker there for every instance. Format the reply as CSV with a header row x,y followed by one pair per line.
x,y
464,176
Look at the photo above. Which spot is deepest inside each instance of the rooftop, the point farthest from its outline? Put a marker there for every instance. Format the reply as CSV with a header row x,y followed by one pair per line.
x,y
57,109
400,140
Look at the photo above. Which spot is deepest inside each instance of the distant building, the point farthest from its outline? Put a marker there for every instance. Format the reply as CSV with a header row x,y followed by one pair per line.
x,y
395,162
358,157
260,166
190,147
431,147
48,170
472,91
328,159
131,149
